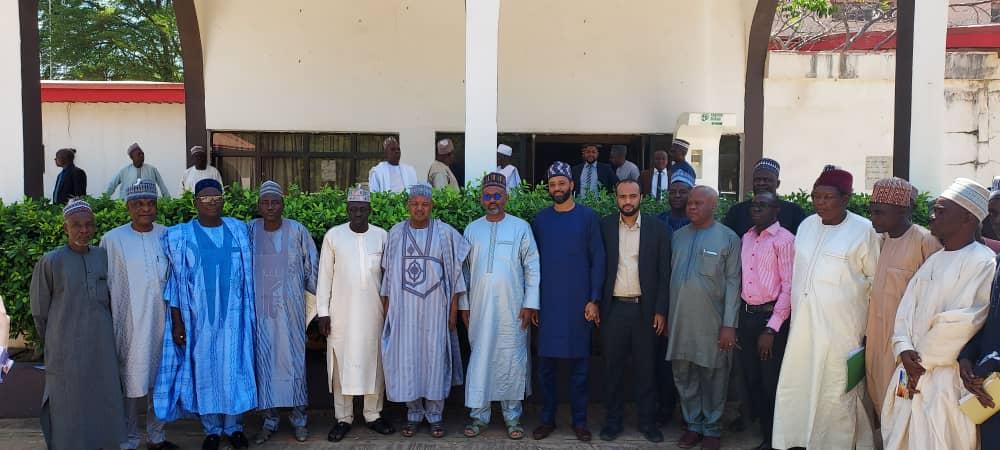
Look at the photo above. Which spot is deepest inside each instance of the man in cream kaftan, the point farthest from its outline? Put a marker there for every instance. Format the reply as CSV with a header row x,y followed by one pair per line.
x,y
945,304
350,277
834,266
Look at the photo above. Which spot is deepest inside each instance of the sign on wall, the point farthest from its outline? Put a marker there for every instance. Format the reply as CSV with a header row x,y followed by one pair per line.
x,y
876,168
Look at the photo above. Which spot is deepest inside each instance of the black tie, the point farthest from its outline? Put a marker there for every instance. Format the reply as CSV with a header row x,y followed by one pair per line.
x,y
659,177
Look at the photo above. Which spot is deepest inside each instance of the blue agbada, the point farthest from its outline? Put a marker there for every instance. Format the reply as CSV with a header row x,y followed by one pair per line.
x,y
423,270
571,254
211,283
285,264
503,278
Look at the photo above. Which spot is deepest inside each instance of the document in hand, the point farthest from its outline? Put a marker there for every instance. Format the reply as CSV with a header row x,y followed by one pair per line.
x,y
976,411
855,367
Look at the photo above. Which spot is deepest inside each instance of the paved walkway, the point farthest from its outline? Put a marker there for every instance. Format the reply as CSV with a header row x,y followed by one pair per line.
x,y
24,434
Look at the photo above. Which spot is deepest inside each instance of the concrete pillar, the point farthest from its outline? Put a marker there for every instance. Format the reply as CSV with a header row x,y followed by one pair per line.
x,y
482,24
11,117
930,29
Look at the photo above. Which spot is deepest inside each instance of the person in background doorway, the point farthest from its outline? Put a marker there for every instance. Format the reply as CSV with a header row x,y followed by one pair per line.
x,y
137,269
391,175
767,256
655,181
137,170
624,169
765,179
284,264
677,195
71,306
440,174
836,252
704,306
590,175
421,285
678,154
207,367
504,166
571,253
635,301
72,180
905,246
199,171
351,316
498,309
944,307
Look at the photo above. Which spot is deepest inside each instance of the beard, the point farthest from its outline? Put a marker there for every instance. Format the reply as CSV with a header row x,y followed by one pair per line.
x,y
628,213
559,197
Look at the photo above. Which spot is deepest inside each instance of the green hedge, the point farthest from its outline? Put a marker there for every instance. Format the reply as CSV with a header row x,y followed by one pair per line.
x,y
31,228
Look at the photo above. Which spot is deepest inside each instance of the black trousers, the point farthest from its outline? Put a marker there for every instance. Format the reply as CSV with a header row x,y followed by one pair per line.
x,y
761,377
626,331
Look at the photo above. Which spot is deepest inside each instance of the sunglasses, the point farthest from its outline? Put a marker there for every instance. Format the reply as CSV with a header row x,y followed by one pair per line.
x,y
209,199
495,197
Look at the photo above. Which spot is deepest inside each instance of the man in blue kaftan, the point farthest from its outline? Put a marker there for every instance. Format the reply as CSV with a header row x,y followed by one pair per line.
x,y
501,304
208,356
421,285
572,256
284,263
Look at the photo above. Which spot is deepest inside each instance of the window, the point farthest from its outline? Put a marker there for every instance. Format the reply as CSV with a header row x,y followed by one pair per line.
x,y
307,160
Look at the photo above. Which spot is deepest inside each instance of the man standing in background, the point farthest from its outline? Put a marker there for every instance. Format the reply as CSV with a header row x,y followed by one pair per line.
x,y
440,174
138,170
199,171
624,169
391,175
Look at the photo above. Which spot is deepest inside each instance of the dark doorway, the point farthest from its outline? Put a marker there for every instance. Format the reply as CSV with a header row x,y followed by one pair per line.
x,y
729,165
550,148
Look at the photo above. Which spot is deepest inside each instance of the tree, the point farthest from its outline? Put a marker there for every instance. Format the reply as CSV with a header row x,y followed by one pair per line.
x,y
799,23
109,40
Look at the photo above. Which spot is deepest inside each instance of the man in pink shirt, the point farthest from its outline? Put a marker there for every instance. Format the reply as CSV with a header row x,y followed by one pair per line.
x,y
766,257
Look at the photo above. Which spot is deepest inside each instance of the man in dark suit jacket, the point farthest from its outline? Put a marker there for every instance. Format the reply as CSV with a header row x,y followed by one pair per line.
x,y
601,174
72,181
765,179
634,307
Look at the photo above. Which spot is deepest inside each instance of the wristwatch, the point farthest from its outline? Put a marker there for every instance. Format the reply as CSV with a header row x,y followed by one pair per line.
x,y
769,330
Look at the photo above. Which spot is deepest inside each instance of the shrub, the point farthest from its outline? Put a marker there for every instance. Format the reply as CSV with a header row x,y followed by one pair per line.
x,y
32,227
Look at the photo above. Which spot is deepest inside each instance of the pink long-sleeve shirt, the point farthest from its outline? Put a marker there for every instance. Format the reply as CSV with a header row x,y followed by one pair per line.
x,y
767,260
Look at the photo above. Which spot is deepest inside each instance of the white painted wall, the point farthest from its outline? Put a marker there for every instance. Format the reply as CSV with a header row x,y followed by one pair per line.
x,y
101,132
565,66
825,108
11,125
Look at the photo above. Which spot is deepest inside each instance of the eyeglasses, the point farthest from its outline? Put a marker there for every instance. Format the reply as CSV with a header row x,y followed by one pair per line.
x,y
209,199
495,197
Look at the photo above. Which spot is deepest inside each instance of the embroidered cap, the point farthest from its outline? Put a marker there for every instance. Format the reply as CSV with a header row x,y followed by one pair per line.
x,y
559,169
271,188
142,189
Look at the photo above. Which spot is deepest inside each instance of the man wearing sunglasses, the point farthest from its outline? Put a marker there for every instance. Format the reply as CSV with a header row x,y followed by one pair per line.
x,y
207,366
500,305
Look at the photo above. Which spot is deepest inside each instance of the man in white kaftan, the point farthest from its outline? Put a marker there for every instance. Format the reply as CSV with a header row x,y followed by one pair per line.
x,y
137,273
945,304
391,175
836,252
351,315
502,298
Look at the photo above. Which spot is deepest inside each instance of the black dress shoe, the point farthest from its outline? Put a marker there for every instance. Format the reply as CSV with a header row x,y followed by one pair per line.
x,y
165,445
211,442
610,433
338,432
239,441
381,426
766,445
652,434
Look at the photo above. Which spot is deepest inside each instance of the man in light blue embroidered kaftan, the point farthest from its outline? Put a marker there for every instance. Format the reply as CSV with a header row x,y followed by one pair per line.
x,y
421,285
501,304
208,356
284,263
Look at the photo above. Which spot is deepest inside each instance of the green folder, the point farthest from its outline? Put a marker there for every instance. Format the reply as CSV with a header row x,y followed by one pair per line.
x,y
855,367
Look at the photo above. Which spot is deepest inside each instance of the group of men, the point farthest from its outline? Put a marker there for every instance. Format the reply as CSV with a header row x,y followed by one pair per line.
x,y
208,318
72,180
